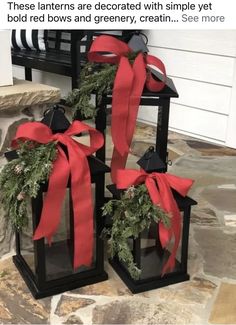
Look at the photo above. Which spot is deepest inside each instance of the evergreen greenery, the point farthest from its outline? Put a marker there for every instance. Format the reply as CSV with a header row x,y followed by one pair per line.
x,y
99,81
95,78
20,179
132,214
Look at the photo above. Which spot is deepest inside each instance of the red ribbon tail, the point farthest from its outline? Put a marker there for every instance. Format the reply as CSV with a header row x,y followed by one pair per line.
x,y
82,208
169,266
139,70
169,205
152,83
118,162
164,235
176,225
130,93
120,105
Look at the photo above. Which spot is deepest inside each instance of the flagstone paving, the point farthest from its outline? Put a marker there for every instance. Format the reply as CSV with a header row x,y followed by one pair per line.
x,y
208,298
223,311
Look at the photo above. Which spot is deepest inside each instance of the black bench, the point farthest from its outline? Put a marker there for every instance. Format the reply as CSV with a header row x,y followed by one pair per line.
x,y
61,58
66,53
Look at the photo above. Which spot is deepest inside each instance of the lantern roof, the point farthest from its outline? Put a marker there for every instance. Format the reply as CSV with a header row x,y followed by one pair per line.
x,y
137,43
151,162
55,119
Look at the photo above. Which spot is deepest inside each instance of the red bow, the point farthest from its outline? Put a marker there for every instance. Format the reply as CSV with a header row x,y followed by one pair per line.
x,y
159,187
127,91
75,165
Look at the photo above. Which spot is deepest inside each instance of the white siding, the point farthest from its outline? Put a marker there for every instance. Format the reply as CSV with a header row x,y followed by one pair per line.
x,y
196,66
218,42
202,66
200,94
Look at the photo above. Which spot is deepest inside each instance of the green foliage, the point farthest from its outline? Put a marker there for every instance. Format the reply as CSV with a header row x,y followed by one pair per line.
x,y
20,179
132,214
95,78
99,81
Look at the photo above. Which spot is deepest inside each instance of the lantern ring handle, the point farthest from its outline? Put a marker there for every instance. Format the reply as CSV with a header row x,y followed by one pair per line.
x,y
56,108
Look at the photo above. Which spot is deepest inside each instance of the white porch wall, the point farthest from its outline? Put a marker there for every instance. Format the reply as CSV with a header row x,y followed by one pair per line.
x,y
202,65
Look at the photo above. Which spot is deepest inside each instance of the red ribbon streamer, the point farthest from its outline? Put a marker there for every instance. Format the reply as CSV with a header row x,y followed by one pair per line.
x,y
127,90
76,166
159,187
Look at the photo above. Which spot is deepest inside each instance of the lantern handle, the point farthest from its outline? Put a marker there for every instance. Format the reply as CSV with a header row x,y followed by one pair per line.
x,y
148,153
54,108
145,37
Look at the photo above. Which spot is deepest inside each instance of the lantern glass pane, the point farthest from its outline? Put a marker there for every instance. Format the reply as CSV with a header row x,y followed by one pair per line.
x,y
26,241
149,255
152,256
59,256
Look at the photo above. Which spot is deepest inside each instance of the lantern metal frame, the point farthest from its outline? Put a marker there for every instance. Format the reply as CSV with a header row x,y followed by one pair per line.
x,y
179,274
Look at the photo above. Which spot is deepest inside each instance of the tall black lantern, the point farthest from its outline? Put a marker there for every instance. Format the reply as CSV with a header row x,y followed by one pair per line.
x,y
48,269
147,251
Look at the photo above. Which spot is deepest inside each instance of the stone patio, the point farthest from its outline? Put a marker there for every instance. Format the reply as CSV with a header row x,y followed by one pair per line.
x,y
208,298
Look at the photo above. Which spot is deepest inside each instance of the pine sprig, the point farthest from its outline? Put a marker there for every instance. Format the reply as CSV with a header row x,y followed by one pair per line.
x,y
132,214
20,179
95,78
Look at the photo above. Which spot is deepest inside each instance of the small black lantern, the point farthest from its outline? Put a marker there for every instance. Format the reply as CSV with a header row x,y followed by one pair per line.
x,y
147,250
150,257
48,269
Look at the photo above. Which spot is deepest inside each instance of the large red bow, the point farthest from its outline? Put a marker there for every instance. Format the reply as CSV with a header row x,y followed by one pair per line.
x,y
127,91
76,166
159,187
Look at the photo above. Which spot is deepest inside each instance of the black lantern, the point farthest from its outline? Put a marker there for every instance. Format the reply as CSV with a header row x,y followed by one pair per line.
x,y
48,269
147,250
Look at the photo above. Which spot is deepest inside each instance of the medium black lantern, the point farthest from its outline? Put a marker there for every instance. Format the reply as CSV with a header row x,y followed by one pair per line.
x,y
48,269
147,250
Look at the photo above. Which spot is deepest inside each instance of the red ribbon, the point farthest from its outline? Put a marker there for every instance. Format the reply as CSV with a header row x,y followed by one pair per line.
x,y
76,166
159,187
127,91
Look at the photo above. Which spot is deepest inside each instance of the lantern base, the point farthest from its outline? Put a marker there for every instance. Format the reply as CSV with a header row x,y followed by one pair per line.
x,y
39,293
137,286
